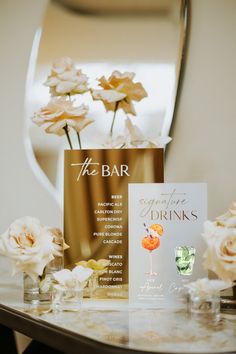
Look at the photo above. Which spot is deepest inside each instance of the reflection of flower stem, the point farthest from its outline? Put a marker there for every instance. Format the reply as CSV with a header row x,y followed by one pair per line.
x,y
150,258
114,117
67,135
79,140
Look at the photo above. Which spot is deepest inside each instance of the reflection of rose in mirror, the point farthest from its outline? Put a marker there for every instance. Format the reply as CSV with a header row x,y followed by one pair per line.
x,y
152,241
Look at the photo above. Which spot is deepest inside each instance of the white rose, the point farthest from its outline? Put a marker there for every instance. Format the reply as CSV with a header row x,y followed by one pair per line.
x,y
65,79
228,219
29,245
220,256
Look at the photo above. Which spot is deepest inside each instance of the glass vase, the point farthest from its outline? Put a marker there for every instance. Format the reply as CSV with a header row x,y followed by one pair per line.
x,y
93,285
38,290
31,289
208,305
66,299
57,264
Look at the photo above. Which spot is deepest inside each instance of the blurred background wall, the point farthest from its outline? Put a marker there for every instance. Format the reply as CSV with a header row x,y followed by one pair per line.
x,y
204,140
21,192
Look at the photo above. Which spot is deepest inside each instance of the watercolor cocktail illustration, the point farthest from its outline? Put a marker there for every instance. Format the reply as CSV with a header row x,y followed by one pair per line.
x,y
151,242
184,260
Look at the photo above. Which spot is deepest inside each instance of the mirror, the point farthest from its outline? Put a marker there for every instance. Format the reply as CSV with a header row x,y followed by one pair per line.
x,y
144,37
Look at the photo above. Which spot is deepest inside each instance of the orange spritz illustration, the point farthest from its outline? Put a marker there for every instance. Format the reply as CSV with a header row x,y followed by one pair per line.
x,y
152,241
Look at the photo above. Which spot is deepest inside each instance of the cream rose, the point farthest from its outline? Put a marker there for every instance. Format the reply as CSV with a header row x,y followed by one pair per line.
x,y
119,91
220,256
59,114
58,240
29,245
228,219
65,79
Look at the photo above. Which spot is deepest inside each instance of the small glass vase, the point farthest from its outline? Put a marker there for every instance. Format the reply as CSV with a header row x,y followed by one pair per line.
x,y
93,285
210,304
66,299
38,290
31,289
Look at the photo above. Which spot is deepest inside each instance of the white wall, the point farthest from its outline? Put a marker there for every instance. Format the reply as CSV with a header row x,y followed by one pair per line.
x,y
20,192
204,134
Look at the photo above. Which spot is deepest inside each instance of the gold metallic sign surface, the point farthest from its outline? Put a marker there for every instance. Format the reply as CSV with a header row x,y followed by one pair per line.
x,y
96,206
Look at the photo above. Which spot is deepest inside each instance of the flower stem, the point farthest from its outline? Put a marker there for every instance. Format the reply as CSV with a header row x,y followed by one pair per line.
x,y
68,136
79,140
114,117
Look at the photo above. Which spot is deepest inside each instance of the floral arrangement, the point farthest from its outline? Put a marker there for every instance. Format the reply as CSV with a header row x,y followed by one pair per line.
x,y
118,92
220,255
30,246
60,114
75,279
220,237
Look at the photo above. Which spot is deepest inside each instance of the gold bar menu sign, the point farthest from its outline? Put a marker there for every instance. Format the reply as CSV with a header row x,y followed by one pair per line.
x,y
96,207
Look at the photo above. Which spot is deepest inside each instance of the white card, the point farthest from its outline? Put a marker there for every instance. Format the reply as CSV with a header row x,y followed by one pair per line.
x,y
162,217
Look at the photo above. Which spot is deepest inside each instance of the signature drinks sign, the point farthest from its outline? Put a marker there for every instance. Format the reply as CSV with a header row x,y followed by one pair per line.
x,y
165,244
96,207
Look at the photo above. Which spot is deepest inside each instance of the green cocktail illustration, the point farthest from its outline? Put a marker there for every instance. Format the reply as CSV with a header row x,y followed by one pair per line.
x,y
184,259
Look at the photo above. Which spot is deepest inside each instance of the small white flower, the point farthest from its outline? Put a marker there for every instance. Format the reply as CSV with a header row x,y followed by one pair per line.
x,y
73,279
65,79
205,287
29,245
133,137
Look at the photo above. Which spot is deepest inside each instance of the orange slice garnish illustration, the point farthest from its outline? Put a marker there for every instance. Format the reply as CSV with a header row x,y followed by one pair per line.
x,y
157,228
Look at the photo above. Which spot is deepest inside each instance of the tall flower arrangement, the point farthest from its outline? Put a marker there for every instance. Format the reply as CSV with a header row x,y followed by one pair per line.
x,y
118,92
61,114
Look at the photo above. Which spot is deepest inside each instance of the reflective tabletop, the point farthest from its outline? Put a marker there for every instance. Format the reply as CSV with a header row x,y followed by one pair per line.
x,y
115,323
